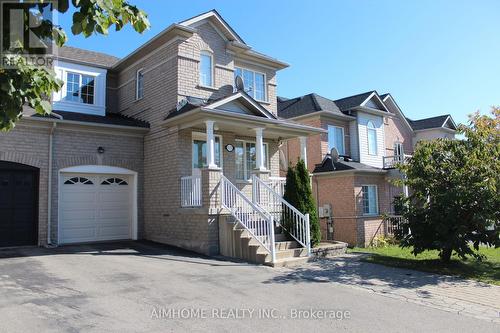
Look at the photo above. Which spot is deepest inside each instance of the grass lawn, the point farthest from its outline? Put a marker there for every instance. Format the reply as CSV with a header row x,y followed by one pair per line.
x,y
487,270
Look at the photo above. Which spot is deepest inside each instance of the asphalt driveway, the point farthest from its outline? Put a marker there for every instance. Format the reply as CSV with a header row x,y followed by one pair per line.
x,y
139,287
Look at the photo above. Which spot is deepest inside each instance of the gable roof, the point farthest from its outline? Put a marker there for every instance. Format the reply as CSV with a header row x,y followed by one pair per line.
x,y
87,57
350,102
191,103
307,104
221,25
433,122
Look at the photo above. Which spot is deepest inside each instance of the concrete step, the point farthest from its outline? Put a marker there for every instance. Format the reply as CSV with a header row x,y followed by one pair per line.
x,y
288,262
285,245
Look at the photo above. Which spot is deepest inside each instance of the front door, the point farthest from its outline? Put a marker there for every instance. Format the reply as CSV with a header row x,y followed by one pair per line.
x,y
18,204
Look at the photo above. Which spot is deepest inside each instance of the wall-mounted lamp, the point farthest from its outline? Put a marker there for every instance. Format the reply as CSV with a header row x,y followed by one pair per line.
x,y
100,150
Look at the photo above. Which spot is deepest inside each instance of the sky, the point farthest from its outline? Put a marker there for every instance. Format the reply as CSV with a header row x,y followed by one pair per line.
x,y
433,56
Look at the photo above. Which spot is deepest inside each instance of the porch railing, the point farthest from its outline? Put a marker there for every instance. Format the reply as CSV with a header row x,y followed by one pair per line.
x,y
278,184
256,221
393,224
391,161
191,191
283,213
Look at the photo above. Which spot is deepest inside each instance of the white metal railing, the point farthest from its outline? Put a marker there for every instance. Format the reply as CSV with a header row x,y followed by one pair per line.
x,y
392,224
283,213
278,184
256,221
191,191
391,161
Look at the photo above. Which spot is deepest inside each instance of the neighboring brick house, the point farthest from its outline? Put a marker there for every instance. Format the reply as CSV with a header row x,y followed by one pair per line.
x,y
370,133
159,145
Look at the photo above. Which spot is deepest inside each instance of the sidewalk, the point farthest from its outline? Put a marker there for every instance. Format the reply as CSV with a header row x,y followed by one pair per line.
x,y
452,294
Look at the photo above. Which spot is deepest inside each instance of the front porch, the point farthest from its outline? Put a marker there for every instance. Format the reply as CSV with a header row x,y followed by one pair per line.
x,y
229,172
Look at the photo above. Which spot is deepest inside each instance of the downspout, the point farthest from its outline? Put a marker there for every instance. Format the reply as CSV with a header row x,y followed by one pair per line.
x,y
49,181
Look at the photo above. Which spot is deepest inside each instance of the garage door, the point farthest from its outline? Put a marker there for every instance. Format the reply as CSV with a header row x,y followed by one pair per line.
x,y
95,208
18,204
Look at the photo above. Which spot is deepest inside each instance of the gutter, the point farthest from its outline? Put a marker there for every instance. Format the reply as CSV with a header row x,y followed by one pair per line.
x,y
340,172
49,181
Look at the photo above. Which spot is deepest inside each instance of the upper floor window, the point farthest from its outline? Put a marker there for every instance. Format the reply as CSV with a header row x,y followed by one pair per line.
x,y
336,139
255,83
370,199
80,88
139,84
372,138
206,69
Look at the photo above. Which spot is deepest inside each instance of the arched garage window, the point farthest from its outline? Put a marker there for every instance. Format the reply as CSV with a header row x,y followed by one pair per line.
x,y
78,181
116,181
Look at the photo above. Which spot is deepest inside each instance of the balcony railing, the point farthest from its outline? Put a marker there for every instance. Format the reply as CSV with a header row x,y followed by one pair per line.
x,y
391,161
191,191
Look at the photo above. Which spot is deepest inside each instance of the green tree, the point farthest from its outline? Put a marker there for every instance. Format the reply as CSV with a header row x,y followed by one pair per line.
x,y
299,194
454,203
33,85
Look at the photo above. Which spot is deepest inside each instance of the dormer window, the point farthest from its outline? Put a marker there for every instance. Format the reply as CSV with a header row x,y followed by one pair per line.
x,y
255,83
80,88
206,69
139,84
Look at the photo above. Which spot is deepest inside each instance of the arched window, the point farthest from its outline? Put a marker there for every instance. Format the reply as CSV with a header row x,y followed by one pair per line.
x,y
372,138
78,181
206,69
115,181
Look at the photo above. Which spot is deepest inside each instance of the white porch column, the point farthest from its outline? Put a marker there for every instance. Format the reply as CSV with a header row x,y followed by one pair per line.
x,y
210,145
303,149
259,149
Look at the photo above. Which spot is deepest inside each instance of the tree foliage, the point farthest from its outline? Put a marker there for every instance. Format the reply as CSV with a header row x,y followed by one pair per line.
x,y
33,85
454,203
299,194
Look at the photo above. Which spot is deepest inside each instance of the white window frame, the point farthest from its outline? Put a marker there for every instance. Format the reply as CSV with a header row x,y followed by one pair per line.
x,y
137,97
343,138
203,136
376,200
402,149
374,129
245,159
81,75
212,69
266,99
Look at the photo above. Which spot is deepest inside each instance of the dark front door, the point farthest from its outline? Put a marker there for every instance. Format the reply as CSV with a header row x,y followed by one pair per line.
x,y
18,204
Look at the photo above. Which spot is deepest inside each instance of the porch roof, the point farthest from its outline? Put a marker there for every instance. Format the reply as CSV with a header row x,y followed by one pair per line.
x,y
243,124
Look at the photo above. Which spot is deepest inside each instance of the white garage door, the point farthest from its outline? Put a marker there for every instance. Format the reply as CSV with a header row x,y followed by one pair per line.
x,y
95,208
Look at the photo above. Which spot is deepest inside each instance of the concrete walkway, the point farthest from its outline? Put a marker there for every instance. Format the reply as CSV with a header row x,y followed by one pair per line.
x,y
452,294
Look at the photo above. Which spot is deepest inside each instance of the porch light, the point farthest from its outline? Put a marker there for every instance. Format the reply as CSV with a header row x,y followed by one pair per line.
x,y
100,150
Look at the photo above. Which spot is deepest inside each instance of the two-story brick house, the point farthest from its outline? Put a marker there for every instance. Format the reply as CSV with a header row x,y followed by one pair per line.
x,y
176,143
370,134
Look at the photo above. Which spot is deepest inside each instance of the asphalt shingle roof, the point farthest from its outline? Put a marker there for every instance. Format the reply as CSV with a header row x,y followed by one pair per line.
x,y
433,122
350,102
109,119
86,56
290,108
328,165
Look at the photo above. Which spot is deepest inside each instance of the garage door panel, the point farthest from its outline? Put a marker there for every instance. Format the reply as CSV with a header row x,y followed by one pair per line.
x,y
98,212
